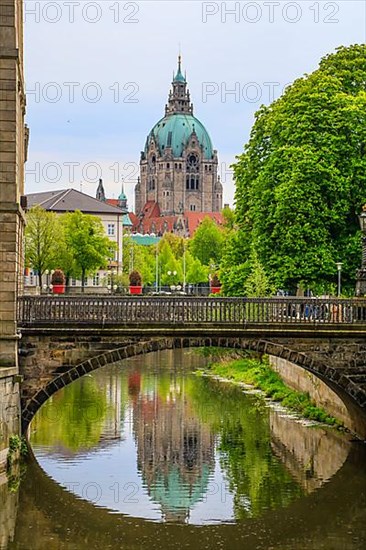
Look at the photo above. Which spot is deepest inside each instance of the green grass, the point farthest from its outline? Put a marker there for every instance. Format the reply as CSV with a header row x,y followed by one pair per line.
x,y
260,375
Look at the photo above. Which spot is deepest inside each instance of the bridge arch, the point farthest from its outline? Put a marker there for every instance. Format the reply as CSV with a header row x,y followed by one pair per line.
x,y
348,392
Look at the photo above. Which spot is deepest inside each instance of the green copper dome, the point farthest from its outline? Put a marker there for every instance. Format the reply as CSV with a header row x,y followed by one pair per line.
x,y
174,130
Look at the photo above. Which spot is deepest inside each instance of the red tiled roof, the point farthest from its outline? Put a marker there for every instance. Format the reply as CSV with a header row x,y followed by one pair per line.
x,y
113,202
152,222
195,218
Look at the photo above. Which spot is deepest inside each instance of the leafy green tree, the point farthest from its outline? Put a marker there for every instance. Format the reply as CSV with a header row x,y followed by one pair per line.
x,y
86,239
257,283
301,179
207,242
195,271
168,263
42,240
65,256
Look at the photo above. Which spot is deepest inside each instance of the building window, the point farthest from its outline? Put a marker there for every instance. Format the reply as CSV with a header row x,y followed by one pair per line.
x,y
192,180
73,282
96,279
192,207
175,165
210,168
168,165
180,166
111,229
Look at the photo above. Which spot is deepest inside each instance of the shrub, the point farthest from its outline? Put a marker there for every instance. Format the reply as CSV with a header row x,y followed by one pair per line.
x,y
215,280
135,278
58,277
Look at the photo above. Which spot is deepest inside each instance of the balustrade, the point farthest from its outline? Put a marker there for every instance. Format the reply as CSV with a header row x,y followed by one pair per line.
x,y
186,310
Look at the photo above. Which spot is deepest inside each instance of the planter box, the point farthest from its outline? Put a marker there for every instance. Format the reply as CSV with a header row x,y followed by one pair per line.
x,y
135,289
215,289
58,289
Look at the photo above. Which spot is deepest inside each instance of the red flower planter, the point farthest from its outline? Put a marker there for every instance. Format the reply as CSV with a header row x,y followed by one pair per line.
x,y
215,289
58,289
135,289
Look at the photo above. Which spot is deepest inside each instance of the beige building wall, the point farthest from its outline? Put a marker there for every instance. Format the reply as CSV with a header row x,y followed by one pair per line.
x,y
13,143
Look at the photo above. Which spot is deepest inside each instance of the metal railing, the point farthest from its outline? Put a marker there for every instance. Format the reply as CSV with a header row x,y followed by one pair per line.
x,y
186,310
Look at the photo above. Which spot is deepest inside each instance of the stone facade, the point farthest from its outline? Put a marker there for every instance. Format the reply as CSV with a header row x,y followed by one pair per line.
x,y
9,412
178,167
13,145
8,513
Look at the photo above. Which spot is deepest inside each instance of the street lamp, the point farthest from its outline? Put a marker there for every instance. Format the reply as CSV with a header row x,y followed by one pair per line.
x,y
361,273
172,274
184,266
339,269
112,287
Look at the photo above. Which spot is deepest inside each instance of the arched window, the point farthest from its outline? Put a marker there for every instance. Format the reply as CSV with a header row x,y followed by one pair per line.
x,y
192,170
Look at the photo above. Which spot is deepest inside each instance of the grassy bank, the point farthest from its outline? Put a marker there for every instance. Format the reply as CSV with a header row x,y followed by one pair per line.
x,y
259,374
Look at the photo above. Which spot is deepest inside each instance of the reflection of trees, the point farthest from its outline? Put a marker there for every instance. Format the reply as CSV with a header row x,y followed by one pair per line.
x,y
78,416
175,450
256,477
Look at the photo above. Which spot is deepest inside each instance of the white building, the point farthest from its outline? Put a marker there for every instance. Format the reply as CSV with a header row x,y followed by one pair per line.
x,y
115,219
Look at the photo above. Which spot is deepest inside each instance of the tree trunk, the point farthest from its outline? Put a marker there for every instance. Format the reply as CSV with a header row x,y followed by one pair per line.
x,y
82,280
40,281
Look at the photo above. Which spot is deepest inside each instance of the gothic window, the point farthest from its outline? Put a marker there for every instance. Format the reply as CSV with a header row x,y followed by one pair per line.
x,y
152,163
192,163
192,179
192,207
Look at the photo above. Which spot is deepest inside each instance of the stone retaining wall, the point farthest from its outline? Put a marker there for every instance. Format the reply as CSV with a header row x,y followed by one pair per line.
x,y
9,412
301,380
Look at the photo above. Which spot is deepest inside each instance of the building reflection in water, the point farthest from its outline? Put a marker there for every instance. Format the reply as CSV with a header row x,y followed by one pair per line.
x,y
175,450
174,437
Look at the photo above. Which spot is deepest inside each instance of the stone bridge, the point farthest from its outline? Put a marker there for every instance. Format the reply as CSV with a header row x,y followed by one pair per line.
x,y
64,338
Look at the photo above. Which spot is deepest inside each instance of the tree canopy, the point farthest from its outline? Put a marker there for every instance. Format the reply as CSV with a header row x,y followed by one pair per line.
x,y
301,180
207,242
41,240
87,241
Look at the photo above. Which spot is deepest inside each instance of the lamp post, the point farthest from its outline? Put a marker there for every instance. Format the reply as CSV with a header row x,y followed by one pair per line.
x,y
112,287
339,270
172,274
157,269
184,266
361,273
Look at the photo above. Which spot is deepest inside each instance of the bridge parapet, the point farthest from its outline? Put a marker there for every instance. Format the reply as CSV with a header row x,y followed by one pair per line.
x,y
188,311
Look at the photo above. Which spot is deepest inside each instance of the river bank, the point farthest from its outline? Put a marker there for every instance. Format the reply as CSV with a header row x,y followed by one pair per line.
x,y
257,373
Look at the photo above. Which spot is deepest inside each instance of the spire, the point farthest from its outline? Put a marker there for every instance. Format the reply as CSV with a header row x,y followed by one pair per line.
x,y
179,99
179,76
100,194
122,199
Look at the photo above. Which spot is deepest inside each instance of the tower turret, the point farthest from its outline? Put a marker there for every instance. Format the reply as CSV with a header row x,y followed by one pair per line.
x,y
179,100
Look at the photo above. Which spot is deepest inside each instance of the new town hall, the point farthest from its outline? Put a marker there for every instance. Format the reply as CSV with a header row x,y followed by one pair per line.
x,y
178,167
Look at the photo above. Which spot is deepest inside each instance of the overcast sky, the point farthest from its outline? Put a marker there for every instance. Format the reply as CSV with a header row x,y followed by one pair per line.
x,y
98,76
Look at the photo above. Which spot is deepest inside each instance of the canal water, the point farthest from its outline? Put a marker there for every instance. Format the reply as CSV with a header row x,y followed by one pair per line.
x,y
149,454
